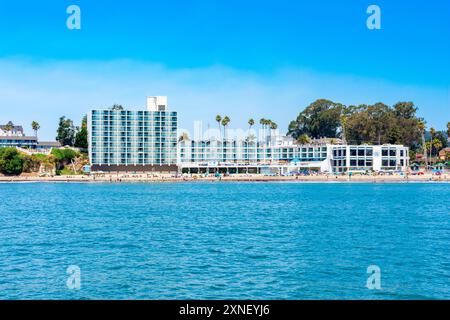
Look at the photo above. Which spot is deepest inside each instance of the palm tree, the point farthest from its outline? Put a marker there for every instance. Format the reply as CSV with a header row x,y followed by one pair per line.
x,y
251,123
35,126
251,138
262,122
303,139
218,120
421,127
225,121
437,144
273,126
268,123
432,134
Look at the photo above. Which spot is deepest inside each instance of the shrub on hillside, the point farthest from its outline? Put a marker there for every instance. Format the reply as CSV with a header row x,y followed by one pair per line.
x,y
11,161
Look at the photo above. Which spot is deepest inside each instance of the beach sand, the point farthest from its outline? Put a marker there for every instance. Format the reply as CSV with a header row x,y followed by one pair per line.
x,y
233,178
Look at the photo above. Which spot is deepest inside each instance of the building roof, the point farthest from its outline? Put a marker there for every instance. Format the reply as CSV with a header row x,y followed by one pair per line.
x,y
17,138
14,127
55,144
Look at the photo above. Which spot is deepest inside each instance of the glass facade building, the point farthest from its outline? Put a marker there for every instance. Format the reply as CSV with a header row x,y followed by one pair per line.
x,y
133,140
247,152
20,142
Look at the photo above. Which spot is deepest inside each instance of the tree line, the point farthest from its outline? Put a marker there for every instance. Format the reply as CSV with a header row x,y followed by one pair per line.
x,y
368,124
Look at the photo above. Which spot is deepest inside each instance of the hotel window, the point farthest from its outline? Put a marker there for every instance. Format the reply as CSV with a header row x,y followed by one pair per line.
x,y
353,163
353,152
361,152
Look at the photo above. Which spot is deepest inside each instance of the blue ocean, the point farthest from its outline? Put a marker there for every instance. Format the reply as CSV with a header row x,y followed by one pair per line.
x,y
224,240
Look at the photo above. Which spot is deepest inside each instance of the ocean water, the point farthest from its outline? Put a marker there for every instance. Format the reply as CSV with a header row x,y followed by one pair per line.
x,y
224,240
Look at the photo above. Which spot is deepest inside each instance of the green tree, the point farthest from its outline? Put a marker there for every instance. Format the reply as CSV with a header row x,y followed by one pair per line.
x,y
8,127
437,145
81,137
116,107
448,130
379,121
10,161
66,132
322,118
35,126
442,136
379,124
63,156
406,122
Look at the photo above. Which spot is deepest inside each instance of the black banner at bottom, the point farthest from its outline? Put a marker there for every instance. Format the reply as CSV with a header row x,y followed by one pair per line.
x,y
224,309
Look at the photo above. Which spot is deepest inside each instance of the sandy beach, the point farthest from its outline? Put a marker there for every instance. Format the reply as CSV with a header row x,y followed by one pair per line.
x,y
117,178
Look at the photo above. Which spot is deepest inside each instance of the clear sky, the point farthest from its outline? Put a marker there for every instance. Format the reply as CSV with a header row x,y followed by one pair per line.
x,y
252,58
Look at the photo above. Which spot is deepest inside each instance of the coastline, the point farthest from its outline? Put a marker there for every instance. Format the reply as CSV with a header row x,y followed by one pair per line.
x,y
127,178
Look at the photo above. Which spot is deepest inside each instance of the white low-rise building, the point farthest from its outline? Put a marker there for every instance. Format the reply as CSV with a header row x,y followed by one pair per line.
x,y
278,154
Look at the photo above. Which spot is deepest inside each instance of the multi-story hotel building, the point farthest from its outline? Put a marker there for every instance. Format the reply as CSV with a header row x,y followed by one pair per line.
x,y
125,140
280,154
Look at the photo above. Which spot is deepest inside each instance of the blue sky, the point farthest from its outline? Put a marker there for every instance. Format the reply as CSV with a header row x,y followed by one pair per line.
x,y
245,59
